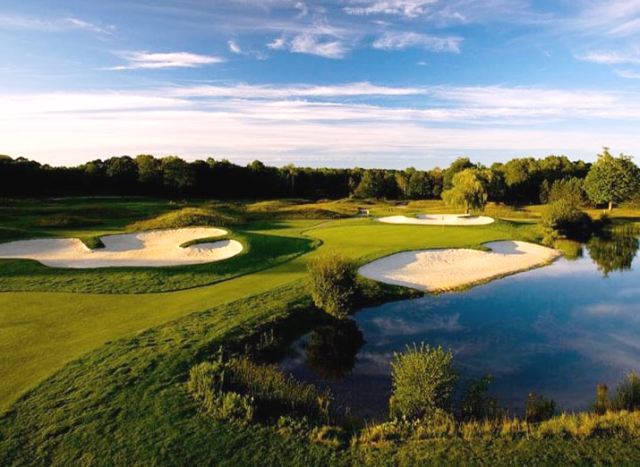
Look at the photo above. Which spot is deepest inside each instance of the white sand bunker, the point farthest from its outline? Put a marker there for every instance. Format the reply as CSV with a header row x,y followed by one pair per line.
x,y
438,219
441,270
144,249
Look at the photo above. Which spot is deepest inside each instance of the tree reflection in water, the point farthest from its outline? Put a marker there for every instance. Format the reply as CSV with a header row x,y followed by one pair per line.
x,y
332,349
614,251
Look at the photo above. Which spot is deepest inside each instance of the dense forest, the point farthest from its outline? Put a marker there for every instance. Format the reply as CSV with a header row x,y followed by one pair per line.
x,y
518,181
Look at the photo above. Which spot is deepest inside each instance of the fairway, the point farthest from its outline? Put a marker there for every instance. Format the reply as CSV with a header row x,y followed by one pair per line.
x,y
40,332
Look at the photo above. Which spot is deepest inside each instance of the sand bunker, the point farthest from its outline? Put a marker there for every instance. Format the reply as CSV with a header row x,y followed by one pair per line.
x,y
144,249
438,219
440,270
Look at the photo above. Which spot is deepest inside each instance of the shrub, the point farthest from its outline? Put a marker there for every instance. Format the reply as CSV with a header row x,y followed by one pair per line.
x,y
423,379
538,408
565,217
627,393
332,284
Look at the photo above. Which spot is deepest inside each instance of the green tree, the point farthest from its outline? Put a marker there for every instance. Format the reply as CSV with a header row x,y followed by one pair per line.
x,y
460,164
177,174
369,186
332,284
469,190
568,189
612,179
122,171
419,186
149,172
423,380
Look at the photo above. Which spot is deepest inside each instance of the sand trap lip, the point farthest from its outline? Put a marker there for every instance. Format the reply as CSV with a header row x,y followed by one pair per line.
x,y
447,269
155,248
438,219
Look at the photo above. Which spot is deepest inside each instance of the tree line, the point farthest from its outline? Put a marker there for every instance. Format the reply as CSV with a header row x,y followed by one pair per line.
x,y
518,181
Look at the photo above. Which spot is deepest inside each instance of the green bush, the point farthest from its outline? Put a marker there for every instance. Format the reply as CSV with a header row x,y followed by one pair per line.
x,y
627,393
565,217
332,284
423,379
538,408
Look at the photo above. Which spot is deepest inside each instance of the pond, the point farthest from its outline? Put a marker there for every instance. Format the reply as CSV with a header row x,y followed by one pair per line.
x,y
557,331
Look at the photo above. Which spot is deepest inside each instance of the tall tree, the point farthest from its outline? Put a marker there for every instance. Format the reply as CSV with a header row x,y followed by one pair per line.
x,y
612,179
469,190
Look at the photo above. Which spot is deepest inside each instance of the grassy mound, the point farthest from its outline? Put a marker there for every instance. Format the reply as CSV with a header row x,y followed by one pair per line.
x,y
187,217
297,209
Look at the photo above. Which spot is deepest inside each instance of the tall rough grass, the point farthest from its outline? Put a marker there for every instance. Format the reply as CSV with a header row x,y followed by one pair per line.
x,y
240,389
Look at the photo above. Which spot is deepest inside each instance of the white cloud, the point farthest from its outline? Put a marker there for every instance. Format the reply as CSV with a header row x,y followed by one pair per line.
x,y
612,17
278,43
322,45
315,45
628,74
151,60
319,122
245,91
234,47
611,57
52,25
405,40
408,8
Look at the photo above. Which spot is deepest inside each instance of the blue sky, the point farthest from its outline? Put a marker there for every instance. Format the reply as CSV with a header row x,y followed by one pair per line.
x,y
373,83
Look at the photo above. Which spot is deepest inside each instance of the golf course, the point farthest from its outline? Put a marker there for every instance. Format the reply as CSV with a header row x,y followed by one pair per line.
x,y
97,361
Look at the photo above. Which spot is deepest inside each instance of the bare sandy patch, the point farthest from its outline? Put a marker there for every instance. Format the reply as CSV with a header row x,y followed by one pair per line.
x,y
438,219
447,269
143,249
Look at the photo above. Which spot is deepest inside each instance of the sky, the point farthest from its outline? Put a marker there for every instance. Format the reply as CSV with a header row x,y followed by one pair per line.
x,y
340,83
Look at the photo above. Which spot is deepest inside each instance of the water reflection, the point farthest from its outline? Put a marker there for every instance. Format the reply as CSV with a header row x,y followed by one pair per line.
x,y
613,252
331,349
556,331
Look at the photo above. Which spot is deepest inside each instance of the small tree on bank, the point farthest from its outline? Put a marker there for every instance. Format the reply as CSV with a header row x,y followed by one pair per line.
x,y
332,284
612,179
469,190
423,380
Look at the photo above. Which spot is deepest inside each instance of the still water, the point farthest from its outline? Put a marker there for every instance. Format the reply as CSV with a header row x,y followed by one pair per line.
x,y
557,331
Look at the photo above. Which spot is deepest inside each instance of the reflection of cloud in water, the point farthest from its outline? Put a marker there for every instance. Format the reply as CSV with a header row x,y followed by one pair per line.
x,y
628,311
374,363
428,323
630,292
563,267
